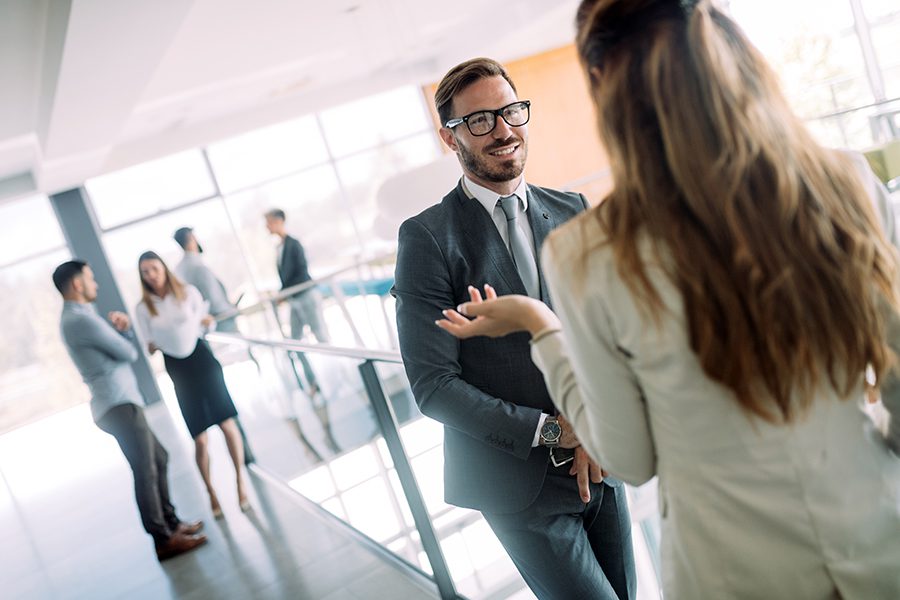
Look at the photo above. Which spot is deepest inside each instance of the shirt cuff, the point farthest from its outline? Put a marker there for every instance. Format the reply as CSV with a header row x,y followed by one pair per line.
x,y
537,434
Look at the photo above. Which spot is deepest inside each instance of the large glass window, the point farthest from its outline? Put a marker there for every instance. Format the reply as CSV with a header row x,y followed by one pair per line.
x,y
267,153
149,188
363,173
37,378
375,121
884,20
27,227
821,64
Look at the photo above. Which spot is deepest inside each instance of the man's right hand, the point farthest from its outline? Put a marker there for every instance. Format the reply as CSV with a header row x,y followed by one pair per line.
x,y
568,439
119,320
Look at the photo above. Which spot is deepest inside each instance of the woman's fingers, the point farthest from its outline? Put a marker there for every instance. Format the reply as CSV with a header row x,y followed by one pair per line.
x,y
474,294
454,317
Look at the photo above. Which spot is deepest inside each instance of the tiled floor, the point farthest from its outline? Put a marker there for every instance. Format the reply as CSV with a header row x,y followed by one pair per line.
x,y
70,528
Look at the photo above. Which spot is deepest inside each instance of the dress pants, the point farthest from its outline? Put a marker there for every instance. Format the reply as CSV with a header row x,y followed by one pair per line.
x,y
306,309
568,550
148,460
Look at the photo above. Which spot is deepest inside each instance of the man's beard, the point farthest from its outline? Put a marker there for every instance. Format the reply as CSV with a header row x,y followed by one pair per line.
x,y
506,171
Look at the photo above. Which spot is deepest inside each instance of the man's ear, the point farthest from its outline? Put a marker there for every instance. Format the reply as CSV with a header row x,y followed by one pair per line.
x,y
448,137
77,284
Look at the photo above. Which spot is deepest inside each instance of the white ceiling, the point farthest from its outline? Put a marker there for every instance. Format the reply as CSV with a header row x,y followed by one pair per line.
x,y
89,86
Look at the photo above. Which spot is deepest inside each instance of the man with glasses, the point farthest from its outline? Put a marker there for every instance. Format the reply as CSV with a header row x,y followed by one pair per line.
x,y
507,453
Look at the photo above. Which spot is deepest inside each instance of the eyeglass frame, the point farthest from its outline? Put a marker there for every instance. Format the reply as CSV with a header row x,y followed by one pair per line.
x,y
497,112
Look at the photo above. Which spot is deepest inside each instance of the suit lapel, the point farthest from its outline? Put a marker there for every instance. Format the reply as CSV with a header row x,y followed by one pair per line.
x,y
482,232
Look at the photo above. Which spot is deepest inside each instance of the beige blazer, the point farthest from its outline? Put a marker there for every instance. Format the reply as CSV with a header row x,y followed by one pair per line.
x,y
748,509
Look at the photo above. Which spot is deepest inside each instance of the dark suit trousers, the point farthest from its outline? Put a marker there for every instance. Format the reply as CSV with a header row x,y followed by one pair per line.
x,y
148,460
568,550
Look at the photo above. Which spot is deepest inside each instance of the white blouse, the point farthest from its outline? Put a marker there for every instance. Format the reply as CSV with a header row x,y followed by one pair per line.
x,y
176,327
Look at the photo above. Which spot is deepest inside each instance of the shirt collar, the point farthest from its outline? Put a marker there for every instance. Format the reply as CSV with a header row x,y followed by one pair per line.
x,y
488,198
78,306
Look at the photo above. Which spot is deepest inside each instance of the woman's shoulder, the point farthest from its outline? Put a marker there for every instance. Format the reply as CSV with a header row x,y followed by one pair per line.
x,y
579,242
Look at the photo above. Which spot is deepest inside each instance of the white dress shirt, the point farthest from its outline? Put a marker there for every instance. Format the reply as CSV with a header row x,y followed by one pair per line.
x,y
176,327
490,200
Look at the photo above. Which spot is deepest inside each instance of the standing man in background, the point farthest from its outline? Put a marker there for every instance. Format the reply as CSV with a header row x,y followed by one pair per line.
x,y
103,354
306,307
507,453
194,271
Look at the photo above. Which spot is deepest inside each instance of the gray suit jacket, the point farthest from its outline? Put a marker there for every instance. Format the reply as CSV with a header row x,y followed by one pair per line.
x,y
486,392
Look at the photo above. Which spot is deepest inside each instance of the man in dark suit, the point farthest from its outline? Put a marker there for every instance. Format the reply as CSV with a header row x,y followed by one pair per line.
x,y
505,451
306,306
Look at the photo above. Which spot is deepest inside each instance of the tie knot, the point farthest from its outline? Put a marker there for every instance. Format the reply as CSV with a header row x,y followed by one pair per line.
x,y
510,206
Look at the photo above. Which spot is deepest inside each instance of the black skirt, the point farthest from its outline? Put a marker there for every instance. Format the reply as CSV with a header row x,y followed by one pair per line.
x,y
200,389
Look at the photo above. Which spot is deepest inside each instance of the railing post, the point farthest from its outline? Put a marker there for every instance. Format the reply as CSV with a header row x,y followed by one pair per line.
x,y
387,421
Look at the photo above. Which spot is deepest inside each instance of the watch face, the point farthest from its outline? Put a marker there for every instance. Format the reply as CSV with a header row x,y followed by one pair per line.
x,y
551,431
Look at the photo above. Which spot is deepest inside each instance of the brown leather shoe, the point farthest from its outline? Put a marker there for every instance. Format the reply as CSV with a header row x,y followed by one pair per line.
x,y
179,543
189,528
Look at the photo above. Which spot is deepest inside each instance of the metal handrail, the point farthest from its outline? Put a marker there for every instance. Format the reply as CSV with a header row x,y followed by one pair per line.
x,y
847,111
289,292
290,345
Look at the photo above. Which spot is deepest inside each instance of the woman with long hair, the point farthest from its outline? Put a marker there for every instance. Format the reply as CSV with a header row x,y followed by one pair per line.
x,y
718,313
173,318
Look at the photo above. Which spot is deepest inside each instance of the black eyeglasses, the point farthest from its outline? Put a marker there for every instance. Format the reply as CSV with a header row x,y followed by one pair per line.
x,y
484,121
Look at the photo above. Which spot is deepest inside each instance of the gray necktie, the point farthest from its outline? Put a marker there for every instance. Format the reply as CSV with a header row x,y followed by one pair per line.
x,y
522,255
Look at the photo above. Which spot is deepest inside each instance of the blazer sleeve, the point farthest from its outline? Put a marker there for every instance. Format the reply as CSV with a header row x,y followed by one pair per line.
x,y
97,334
423,288
607,407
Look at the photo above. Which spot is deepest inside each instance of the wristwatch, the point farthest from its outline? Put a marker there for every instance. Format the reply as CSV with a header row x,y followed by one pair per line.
x,y
551,432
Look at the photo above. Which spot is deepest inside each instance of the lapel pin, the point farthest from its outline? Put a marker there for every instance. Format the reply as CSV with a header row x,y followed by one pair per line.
x,y
546,216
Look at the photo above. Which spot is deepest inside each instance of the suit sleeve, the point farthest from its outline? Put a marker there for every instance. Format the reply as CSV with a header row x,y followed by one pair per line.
x,y
423,289
289,264
101,336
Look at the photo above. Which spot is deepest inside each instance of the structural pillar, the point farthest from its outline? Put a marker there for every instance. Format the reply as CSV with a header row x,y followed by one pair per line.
x,y
79,225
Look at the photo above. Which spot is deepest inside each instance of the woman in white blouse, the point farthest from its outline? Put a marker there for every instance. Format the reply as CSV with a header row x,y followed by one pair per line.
x,y
718,313
173,317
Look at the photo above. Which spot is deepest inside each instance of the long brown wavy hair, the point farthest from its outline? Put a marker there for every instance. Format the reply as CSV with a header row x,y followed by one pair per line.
x,y
772,240
173,284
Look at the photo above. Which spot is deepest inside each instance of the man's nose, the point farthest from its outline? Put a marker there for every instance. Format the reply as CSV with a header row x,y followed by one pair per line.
x,y
502,129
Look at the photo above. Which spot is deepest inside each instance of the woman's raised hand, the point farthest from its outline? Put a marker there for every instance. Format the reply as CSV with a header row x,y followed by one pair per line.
x,y
497,316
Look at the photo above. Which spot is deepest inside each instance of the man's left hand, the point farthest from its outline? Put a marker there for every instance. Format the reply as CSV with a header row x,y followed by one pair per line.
x,y
586,471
